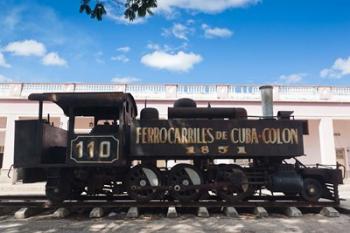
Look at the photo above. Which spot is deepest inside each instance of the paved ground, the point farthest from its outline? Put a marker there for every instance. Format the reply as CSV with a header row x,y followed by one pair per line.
x,y
247,223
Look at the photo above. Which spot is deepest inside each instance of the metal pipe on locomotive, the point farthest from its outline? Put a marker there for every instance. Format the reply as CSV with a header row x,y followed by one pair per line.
x,y
223,152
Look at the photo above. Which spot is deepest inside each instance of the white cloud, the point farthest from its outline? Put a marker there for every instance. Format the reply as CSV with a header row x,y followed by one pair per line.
x,y
116,13
166,48
33,48
178,30
340,68
125,79
26,48
121,58
4,79
179,61
169,8
3,62
208,6
53,59
210,32
12,18
124,49
120,19
153,46
293,78
99,57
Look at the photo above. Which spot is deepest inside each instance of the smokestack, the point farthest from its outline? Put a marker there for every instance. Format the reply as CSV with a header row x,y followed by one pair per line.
x,y
267,101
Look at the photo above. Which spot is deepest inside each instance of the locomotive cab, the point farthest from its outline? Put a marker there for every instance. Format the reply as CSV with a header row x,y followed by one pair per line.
x,y
40,145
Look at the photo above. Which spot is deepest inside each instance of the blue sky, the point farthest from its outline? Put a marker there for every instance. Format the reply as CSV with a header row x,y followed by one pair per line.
x,y
187,41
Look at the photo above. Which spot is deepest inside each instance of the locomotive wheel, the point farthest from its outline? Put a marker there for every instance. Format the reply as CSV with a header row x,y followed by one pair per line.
x,y
142,183
181,177
59,185
58,192
312,190
236,186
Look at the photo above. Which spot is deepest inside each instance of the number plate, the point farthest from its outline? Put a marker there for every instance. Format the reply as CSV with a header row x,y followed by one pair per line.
x,y
92,149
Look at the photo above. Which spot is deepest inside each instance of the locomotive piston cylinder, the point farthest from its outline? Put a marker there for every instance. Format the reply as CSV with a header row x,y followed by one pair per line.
x,y
267,101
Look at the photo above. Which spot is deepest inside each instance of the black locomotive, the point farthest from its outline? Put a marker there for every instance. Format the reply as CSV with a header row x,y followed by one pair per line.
x,y
220,152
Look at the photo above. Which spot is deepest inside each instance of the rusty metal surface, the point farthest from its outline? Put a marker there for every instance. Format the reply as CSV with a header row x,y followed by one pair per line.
x,y
35,143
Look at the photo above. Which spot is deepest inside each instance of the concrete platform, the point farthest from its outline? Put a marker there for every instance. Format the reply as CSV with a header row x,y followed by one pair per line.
x,y
133,212
231,212
7,188
293,212
172,213
97,212
260,212
329,212
61,213
203,212
27,212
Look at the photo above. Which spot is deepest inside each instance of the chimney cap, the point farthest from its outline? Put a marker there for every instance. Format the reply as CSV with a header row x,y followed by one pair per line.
x,y
266,87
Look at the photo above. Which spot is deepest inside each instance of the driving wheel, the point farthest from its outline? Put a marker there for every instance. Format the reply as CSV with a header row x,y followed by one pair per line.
x,y
183,179
142,183
233,183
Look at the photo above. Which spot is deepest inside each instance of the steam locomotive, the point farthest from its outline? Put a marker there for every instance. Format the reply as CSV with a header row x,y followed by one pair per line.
x,y
220,152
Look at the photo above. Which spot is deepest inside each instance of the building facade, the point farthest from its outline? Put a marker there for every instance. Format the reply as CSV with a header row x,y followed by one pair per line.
x,y
326,108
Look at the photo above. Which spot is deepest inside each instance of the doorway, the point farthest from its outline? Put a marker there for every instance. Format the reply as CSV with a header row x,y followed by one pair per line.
x,y
341,159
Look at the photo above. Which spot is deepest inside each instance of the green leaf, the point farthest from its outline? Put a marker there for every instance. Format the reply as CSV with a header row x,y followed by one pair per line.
x,y
132,7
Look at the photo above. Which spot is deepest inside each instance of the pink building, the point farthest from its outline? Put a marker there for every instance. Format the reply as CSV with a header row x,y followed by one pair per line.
x,y
326,108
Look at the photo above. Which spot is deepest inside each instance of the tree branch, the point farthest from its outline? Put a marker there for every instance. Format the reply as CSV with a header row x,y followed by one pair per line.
x,y
133,9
